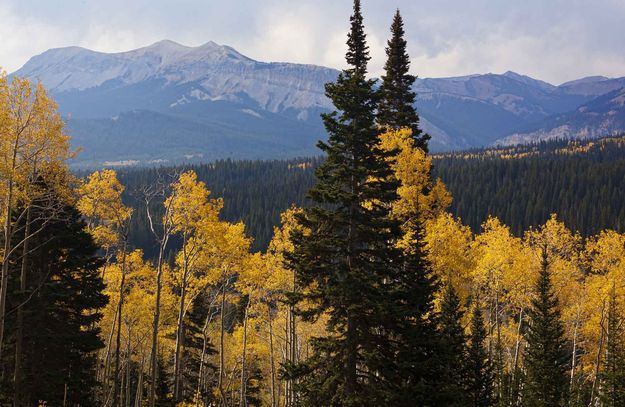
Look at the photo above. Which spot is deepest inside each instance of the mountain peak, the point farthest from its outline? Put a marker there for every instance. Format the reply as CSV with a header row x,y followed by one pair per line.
x,y
529,80
586,79
166,45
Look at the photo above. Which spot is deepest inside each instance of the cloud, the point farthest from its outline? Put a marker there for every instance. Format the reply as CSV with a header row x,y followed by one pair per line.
x,y
24,37
554,40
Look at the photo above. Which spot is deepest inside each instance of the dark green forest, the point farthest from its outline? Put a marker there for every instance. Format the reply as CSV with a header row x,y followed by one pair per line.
x,y
581,181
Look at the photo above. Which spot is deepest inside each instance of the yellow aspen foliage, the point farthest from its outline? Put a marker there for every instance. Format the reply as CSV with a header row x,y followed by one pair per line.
x,y
495,252
604,261
448,244
190,203
100,202
33,145
419,198
33,148
138,299
499,279
563,249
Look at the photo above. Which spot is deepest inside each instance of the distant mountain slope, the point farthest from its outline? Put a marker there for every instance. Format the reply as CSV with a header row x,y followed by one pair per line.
x,y
602,116
177,74
171,103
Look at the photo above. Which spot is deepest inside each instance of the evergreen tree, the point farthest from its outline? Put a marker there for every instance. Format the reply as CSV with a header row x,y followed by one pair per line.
x,y
613,375
61,303
194,346
547,359
480,376
418,339
397,100
452,351
163,392
348,263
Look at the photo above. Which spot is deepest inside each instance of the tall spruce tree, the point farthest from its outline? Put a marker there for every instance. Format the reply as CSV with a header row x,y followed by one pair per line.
x,y
480,380
451,386
61,309
613,374
397,100
547,359
417,335
348,264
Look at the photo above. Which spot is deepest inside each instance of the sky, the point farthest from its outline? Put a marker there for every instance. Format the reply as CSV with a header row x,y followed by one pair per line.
x,y
552,40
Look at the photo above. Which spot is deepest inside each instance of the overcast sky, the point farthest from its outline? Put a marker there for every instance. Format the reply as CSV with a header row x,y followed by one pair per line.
x,y
553,40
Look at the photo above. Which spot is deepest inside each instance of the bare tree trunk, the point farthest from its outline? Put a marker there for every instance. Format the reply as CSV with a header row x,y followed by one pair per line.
x,y
162,239
243,388
517,351
4,277
291,348
180,324
139,395
17,399
498,350
128,367
107,358
200,376
155,322
220,384
574,354
122,380
120,306
271,357
598,359
287,343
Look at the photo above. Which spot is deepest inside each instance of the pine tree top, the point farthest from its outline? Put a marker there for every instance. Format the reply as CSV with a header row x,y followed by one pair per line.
x,y
358,51
396,47
397,99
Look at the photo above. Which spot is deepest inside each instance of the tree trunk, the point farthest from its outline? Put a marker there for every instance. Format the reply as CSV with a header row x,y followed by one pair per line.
x,y
271,358
180,324
128,366
19,337
120,306
517,351
220,384
155,322
573,355
139,395
107,358
209,317
162,239
291,344
287,344
4,277
243,389
598,359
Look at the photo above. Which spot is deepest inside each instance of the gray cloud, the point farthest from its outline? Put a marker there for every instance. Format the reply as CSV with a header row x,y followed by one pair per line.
x,y
554,40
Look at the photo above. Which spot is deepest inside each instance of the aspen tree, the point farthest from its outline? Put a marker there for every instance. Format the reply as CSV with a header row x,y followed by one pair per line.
x,y
33,170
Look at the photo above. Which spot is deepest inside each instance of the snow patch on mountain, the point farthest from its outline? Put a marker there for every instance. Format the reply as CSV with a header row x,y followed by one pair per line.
x,y
252,113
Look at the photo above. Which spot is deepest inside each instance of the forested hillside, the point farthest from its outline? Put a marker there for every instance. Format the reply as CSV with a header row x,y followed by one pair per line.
x,y
581,181
255,192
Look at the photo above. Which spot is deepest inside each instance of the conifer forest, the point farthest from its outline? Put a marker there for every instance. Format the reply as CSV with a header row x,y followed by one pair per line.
x,y
375,274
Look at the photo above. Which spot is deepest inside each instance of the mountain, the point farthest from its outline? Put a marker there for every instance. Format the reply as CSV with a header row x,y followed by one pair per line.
x,y
168,102
479,110
602,116
171,103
